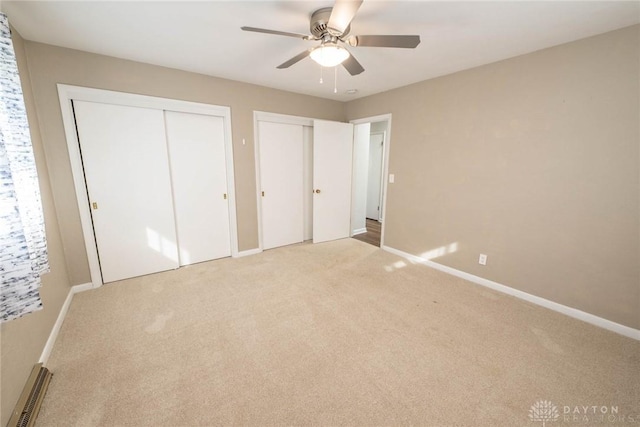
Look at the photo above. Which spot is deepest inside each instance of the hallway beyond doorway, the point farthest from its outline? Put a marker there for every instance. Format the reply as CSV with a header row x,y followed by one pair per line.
x,y
372,236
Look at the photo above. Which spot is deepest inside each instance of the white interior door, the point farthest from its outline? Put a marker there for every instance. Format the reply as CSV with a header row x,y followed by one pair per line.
x,y
361,142
126,167
374,186
332,169
281,177
199,177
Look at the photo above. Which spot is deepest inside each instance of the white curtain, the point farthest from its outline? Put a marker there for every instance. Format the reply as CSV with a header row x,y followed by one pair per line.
x,y
23,246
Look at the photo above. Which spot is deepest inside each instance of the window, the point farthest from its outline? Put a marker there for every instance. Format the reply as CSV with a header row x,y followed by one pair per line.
x,y
23,246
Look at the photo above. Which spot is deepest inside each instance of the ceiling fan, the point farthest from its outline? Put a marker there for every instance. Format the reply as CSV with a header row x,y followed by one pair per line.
x,y
330,26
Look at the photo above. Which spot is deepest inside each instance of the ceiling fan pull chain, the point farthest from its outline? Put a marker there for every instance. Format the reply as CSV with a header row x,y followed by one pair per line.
x,y
321,74
335,79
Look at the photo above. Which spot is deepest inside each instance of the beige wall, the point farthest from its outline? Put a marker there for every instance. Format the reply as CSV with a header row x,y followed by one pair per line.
x,y
50,65
23,340
534,161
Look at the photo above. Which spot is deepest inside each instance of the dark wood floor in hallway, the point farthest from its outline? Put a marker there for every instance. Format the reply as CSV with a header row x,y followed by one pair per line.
x,y
372,236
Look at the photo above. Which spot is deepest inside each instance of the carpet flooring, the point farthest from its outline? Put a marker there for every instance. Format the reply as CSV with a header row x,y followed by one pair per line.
x,y
339,333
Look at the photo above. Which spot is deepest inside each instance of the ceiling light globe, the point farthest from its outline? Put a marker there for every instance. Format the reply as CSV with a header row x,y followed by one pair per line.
x,y
329,55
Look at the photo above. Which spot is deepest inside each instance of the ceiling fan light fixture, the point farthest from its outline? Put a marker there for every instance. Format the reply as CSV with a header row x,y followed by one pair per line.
x,y
329,54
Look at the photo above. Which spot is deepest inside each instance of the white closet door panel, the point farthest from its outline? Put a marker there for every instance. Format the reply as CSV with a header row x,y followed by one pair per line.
x,y
307,182
199,177
332,170
126,168
281,178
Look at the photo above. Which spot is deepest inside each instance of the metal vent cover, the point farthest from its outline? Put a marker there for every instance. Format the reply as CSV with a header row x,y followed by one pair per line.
x,y
28,406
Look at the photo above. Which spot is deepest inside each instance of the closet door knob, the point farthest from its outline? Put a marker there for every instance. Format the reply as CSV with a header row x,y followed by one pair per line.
x,y
318,191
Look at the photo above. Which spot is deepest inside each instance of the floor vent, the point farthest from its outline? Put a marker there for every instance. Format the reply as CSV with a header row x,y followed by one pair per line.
x,y
28,405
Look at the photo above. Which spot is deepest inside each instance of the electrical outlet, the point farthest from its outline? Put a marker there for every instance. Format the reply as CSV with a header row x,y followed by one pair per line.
x,y
482,260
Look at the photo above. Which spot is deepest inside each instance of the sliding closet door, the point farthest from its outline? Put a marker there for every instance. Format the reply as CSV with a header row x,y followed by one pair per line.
x,y
332,171
126,168
281,177
199,176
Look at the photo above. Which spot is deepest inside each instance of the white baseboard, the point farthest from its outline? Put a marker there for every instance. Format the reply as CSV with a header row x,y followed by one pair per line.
x,y
569,311
359,231
248,252
46,352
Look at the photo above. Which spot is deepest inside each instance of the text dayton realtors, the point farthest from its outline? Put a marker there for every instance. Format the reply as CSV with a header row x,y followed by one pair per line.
x,y
596,413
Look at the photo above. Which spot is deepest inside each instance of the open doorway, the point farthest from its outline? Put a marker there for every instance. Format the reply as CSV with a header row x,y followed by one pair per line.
x,y
369,186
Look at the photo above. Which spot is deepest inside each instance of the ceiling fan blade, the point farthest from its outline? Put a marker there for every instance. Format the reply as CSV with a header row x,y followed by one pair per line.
x,y
343,13
408,42
352,65
278,33
297,58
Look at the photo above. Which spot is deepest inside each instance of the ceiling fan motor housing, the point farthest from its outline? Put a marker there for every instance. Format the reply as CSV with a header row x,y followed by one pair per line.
x,y
319,24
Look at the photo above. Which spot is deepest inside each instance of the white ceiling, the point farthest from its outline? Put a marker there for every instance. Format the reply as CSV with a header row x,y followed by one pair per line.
x,y
205,36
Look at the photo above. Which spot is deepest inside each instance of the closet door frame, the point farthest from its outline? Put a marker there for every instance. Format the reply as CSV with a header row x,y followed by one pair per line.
x,y
68,93
261,116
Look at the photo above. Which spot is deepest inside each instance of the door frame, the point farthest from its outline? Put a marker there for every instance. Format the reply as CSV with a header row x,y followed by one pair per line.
x,y
385,163
380,196
264,116
67,93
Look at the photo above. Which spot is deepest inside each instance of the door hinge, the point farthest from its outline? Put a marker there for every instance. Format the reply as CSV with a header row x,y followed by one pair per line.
x,y
94,205
263,194
224,196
